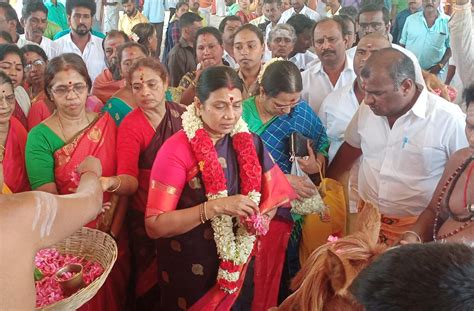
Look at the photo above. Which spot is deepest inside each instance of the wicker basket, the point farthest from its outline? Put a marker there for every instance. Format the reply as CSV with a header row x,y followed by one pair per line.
x,y
93,245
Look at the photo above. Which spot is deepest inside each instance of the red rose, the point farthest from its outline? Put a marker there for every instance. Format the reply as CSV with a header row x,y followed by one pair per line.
x,y
226,285
229,266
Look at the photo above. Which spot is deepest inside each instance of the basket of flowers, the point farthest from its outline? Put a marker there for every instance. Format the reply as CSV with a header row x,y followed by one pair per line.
x,y
71,272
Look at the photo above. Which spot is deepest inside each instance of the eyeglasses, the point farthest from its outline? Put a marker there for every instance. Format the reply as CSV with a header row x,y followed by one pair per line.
x,y
63,90
279,106
36,63
375,26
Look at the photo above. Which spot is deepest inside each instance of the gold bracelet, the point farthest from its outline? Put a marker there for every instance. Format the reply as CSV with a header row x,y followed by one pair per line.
x,y
205,213
415,234
201,213
118,186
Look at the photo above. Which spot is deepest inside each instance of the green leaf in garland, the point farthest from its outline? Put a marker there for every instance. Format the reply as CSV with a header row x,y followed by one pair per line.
x,y
38,274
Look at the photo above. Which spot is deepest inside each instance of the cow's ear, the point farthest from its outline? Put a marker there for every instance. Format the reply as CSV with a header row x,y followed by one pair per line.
x,y
339,271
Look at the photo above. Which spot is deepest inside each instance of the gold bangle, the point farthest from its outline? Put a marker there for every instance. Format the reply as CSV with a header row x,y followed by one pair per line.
x,y
201,213
415,234
205,213
118,186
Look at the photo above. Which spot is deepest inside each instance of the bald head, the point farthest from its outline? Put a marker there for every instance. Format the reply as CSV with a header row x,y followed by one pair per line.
x,y
377,37
366,46
388,79
393,63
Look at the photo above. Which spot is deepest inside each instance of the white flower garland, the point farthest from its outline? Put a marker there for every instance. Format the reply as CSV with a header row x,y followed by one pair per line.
x,y
231,247
265,66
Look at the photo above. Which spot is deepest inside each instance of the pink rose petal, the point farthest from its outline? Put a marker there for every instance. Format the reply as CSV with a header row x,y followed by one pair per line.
x,y
49,261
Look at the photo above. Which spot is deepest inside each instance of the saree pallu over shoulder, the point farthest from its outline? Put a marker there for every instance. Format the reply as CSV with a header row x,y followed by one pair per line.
x,y
117,108
276,132
142,247
14,169
97,140
170,124
176,183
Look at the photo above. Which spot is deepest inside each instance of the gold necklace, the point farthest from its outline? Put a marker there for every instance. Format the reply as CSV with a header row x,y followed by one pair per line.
x,y
61,124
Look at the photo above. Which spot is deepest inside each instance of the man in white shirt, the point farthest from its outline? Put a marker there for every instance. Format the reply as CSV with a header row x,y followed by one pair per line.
x,y
228,27
339,106
301,56
334,69
299,7
271,9
461,27
405,135
35,19
374,18
80,40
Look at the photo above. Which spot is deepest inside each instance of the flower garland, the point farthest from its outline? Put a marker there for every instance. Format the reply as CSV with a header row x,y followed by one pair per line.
x,y
233,249
134,37
265,66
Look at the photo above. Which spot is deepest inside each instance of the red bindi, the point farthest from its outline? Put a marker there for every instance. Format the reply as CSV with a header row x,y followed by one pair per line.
x,y
231,98
70,82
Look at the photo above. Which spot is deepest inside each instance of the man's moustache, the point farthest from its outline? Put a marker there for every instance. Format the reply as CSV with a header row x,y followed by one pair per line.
x,y
329,52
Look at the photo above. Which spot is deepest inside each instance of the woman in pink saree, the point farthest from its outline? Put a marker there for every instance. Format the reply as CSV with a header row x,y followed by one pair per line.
x,y
205,179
